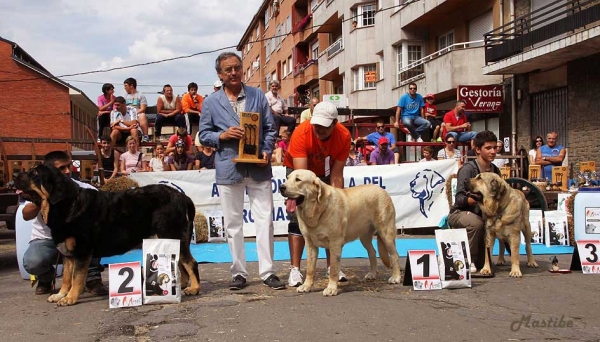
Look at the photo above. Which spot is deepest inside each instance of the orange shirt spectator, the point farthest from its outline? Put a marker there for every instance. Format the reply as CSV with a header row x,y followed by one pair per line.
x,y
191,102
305,144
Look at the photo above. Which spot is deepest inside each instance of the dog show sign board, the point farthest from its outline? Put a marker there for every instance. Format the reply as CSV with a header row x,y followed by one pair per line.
x,y
125,285
589,255
421,271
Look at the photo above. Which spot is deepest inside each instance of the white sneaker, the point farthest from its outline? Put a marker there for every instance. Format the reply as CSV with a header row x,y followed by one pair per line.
x,y
473,269
419,139
295,278
341,276
409,138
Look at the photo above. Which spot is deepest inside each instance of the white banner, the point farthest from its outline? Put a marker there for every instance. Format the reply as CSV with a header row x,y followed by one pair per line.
x,y
418,191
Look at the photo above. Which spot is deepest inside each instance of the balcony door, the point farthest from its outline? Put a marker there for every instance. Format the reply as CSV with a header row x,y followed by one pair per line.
x,y
479,26
549,113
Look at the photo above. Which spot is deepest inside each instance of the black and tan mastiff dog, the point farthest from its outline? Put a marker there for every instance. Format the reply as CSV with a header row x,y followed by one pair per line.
x,y
505,215
86,223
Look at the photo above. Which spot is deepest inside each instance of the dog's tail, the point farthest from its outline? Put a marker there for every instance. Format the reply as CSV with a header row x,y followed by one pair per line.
x,y
384,255
191,214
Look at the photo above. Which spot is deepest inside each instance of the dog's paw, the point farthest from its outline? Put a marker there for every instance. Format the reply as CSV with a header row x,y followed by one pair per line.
x,y
371,276
485,271
330,291
190,291
55,298
394,280
532,264
304,288
500,262
515,273
67,301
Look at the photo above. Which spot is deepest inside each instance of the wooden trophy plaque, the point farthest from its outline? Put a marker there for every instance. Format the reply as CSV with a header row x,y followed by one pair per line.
x,y
505,172
587,166
560,177
249,145
535,172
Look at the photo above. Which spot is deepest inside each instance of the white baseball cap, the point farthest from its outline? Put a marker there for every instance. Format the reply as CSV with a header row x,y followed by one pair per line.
x,y
218,84
324,114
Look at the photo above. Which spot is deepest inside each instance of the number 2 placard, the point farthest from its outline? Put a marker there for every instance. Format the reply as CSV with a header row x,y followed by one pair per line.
x,y
589,254
424,270
125,284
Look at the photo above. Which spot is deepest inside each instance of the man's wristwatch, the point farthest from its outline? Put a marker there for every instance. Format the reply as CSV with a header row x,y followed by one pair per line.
x,y
543,158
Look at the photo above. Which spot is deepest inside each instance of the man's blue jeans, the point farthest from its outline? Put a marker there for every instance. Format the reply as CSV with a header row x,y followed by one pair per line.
x,y
415,125
40,257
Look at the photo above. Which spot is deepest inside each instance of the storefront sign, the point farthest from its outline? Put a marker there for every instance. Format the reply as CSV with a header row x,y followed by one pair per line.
x,y
481,99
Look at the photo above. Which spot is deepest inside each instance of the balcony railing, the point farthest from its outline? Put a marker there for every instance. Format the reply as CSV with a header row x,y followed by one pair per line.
x,y
302,23
550,21
417,68
333,49
300,67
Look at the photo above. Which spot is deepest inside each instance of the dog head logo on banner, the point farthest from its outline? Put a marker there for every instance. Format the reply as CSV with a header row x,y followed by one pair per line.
x,y
425,184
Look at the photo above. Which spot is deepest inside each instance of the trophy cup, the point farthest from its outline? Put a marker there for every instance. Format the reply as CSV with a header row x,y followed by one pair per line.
x,y
248,149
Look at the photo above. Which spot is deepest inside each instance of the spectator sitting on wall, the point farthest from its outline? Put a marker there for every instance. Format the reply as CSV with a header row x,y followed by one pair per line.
x,y
455,123
180,160
279,109
132,160
135,99
159,161
168,109
105,106
431,115
110,158
373,139
382,155
192,106
449,151
410,112
123,121
181,134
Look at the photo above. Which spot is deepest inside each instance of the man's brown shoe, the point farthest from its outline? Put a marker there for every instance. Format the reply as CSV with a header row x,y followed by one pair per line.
x,y
96,288
43,288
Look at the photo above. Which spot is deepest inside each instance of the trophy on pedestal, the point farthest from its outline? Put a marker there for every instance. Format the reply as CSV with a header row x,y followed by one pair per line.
x,y
248,149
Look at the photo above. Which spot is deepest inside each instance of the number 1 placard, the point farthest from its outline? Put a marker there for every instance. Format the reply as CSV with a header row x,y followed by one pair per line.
x,y
125,284
424,270
589,251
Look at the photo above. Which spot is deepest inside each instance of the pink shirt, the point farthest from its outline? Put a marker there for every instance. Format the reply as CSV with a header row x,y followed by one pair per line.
x,y
131,161
103,101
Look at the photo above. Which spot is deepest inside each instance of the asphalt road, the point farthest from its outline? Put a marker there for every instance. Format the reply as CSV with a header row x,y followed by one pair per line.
x,y
538,307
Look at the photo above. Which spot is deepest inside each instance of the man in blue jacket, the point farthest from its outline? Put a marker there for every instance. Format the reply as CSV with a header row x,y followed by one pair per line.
x,y
220,128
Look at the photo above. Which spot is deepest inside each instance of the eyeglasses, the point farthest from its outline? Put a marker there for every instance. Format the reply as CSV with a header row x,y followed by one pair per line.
x,y
450,141
379,127
412,88
229,70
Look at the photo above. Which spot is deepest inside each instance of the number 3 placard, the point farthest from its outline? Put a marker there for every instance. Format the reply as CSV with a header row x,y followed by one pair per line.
x,y
424,270
125,284
589,254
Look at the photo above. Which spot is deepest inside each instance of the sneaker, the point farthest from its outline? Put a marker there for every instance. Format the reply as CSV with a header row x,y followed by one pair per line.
x,y
341,276
43,287
439,139
145,139
273,282
96,288
237,283
409,138
419,139
295,278
473,269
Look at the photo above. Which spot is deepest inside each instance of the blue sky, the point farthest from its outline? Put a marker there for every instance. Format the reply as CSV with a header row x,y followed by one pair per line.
x,y
68,36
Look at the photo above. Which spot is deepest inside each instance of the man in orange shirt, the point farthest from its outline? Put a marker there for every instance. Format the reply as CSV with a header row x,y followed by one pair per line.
x,y
191,104
320,145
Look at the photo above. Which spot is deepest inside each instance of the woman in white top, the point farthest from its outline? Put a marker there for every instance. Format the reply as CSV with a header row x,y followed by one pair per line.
x,y
132,160
449,151
158,162
536,144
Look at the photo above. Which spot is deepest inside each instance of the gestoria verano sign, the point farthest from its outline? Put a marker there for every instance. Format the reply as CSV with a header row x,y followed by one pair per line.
x,y
481,99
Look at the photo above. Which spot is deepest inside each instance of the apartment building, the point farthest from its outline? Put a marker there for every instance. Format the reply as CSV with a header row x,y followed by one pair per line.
x,y
552,49
280,44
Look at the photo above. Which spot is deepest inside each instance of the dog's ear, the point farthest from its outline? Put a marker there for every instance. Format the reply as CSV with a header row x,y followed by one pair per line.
x,y
319,188
498,188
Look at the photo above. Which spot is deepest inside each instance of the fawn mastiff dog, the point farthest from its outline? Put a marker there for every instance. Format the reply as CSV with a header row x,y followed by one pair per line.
x,y
330,217
506,214
86,223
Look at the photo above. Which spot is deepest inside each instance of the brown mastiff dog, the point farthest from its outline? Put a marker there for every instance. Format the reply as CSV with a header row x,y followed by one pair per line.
x,y
506,214
331,217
